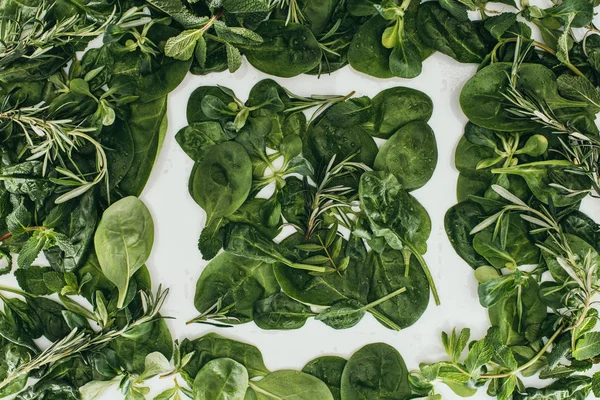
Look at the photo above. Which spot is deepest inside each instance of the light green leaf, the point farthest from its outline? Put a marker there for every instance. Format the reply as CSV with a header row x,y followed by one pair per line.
x,y
234,58
479,355
94,389
154,364
200,51
588,346
181,47
123,242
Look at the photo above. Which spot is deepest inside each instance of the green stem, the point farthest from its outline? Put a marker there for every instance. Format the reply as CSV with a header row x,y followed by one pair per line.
x,y
383,299
16,291
427,272
385,320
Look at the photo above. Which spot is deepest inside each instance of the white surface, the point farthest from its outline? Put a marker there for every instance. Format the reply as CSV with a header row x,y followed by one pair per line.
x,y
176,262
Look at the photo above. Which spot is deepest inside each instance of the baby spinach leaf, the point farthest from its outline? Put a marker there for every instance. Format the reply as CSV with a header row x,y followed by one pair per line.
x,y
410,155
482,99
377,371
514,249
237,283
288,384
221,182
325,140
288,49
366,53
390,273
279,311
459,222
328,369
147,125
458,39
326,289
123,242
221,379
212,346
516,328
550,181
395,107
197,138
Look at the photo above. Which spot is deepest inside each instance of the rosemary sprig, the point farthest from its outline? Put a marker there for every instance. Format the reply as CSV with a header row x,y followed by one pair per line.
x,y
216,315
581,150
51,139
80,341
36,36
339,199
581,271
295,14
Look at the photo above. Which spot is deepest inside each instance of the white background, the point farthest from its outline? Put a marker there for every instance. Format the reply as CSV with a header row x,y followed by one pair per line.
x,y
177,263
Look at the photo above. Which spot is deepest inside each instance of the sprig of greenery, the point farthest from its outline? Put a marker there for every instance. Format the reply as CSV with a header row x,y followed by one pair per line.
x,y
36,36
294,15
338,199
582,150
79,341
51,140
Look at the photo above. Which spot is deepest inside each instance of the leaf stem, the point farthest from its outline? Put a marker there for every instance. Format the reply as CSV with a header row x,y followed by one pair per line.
x,y
383,299
427,272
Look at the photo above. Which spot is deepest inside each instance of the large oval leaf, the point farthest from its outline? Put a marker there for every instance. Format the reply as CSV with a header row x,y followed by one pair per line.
x,y
123,241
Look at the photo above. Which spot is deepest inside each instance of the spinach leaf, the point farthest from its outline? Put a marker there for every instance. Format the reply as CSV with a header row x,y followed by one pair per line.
x,y
235,283
377,371
395,107
440,30
123,242
212,346
280,312
328,369
410,155
288,49
221,379
221,182
290,384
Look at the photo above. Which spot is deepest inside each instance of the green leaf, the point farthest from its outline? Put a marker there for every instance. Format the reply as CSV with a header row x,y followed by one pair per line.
x,y
288,384
237,35
200,51
580,89
328,369
181,47
234,58
588,346
221,379
377,371
94,389
31,249
499,24
507,388
479,355
213,346
279,311
123,242
596,384
155,363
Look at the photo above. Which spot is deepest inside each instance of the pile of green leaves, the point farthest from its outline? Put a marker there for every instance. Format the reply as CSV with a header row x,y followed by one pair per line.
x,y
354,236
381,38
80,133
214,367
527,158
105,325
77,133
